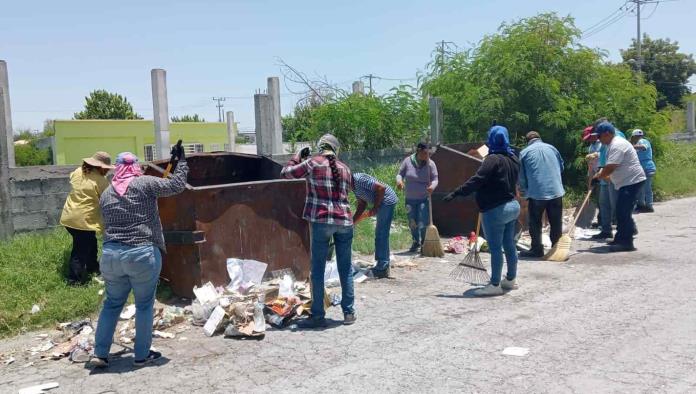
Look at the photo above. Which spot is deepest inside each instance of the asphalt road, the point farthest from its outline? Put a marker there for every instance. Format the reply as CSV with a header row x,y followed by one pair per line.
x,y
598,323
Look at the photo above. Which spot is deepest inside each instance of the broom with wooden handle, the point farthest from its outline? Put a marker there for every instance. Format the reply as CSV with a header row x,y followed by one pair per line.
x,y
432,247
561,250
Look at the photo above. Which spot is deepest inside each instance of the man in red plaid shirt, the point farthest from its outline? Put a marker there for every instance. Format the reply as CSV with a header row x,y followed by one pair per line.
x,y
328,211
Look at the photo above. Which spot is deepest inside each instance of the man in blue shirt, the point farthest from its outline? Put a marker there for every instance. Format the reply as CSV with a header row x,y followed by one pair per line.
x,y
541,183
367,189
644,150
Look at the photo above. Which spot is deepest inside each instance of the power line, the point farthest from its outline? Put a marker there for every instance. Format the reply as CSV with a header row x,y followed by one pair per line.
x,y
608,21
613,14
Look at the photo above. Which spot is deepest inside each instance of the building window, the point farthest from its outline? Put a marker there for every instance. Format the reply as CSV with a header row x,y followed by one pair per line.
x,y
149,153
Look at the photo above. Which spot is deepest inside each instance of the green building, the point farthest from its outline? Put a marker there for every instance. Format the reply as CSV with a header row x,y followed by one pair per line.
x,y
77,139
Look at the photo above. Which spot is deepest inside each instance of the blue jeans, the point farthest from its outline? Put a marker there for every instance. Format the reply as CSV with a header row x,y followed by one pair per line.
x,y
343,241
385,214
126,267
418,218
499,230
607,206
645,194
625,226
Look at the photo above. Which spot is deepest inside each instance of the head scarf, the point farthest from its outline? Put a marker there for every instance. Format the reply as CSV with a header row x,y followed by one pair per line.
x,y
329,145
127,169
498,141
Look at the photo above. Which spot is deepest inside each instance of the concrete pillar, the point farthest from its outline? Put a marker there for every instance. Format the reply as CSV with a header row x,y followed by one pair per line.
x,y
263,108
6,118
277,136
690,118
160,113
436,120
6,155
358,87
231,132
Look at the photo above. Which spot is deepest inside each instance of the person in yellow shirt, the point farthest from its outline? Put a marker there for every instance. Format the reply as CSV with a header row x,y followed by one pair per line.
x,y
82,217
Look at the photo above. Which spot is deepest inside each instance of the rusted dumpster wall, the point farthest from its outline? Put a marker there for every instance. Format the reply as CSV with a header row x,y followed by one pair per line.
x,y
455,167
235,207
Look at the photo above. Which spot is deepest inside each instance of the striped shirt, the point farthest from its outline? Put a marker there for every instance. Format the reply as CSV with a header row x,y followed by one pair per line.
x,y
326,202
133,218
364,189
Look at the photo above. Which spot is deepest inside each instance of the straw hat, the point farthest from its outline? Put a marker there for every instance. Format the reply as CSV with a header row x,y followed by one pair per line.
x,y
100,159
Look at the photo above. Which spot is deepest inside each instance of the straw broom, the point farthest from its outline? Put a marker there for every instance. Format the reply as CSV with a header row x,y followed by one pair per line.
x,y
561,250
432,247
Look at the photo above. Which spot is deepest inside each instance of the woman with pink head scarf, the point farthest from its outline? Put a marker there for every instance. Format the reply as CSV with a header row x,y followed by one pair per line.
x,y
132,251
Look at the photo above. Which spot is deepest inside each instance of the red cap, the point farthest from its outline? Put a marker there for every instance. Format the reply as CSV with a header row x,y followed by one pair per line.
x,y
587,133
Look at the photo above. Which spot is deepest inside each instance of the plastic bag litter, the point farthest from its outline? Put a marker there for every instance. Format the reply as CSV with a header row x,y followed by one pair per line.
x,y
331,278
252,272
286,287
206,293
201,312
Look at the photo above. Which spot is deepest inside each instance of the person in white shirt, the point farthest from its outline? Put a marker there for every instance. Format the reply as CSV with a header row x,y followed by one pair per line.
x,y
627,176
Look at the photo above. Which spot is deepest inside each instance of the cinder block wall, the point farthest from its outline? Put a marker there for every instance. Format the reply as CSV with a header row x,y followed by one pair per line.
x,y
38,195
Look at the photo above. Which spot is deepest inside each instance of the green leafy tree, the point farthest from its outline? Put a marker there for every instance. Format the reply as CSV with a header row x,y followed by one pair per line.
x,y
396,119
664,66
534,75
188,118
104,105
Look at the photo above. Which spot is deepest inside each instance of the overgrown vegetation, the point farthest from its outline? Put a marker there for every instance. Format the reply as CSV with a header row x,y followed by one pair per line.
x,y
27,150
32,271
676,172
397,119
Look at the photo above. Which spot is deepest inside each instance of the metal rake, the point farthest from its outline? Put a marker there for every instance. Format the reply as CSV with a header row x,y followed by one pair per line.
x,y
471,270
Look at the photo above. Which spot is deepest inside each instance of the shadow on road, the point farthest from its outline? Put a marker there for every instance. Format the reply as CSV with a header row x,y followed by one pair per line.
x,y
119,365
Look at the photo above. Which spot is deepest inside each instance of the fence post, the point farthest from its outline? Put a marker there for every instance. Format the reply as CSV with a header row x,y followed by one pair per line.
x,y
263,106
160,112
690,118
6,155
231,132
276,124
436,119
359,87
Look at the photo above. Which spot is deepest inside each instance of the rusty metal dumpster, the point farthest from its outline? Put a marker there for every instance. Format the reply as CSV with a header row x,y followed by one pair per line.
x,y
235,206
456,163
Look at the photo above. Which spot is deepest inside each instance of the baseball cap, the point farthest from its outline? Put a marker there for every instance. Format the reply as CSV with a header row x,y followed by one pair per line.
x,y
605,127
588,133
637,133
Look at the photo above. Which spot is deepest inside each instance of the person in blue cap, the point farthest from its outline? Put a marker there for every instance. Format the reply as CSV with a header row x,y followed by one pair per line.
x,y
645,155
495,184
623,168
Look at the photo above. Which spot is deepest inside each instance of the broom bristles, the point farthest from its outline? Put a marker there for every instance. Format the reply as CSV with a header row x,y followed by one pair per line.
x,y
560,251
432,247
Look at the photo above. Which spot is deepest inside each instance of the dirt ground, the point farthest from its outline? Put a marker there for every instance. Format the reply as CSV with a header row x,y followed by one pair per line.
x,y
597,323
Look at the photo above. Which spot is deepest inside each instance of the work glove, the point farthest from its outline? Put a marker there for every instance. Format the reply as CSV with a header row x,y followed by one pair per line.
x,y
304,153
449,197
178,152
594,182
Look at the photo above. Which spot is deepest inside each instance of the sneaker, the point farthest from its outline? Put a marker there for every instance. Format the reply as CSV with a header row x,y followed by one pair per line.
x,y
151,357
594,225
99,362
509,284
602,236
349,318
312,323
415,246
380,274
622,248
532,253
489,291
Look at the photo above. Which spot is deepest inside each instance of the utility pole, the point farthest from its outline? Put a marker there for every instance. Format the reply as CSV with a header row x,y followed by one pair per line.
x,y
219,106
639,61
441,53
370,77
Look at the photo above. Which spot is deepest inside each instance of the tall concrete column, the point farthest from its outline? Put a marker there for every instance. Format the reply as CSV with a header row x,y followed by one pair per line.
x,y
436,120
6,155
160,112
277,136
6,119
231,132
358,87
690,118
263,108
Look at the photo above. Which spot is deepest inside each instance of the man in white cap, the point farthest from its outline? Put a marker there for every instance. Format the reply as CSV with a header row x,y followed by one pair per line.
x,y
627,176
645,155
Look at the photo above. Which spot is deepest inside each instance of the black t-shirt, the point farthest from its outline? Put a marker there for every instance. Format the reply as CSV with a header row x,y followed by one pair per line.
x,y
495,182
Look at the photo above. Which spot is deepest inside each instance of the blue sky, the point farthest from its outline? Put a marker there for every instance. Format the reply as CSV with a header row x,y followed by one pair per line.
x,y
58,51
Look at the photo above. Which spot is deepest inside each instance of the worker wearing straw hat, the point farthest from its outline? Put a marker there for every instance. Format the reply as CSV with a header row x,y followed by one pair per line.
x,y
82,217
